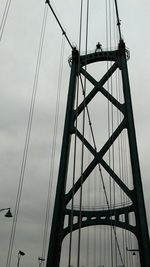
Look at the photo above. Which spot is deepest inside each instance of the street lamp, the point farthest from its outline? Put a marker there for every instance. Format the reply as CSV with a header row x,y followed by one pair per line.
x,y
41,260
20,253
8,213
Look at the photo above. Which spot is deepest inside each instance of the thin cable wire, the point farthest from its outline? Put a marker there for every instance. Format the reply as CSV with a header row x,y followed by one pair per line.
x,y
27,140
123,167
83,133
102,178
88,203
4,18
79,231
73,181
105,193
114,84
109,88
75,137
55,132
103,184
94,228
108,233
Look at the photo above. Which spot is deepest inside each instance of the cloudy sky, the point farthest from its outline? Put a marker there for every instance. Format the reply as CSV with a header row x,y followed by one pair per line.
x,y
18,54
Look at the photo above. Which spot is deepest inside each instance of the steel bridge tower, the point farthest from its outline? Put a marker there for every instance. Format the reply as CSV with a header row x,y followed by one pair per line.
x,y
105,217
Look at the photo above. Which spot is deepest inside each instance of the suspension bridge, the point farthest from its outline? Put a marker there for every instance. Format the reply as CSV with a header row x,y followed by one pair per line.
x,y
85,192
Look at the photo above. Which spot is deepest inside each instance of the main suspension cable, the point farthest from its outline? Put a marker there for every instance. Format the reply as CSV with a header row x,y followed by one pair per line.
x,y
59,23
118,20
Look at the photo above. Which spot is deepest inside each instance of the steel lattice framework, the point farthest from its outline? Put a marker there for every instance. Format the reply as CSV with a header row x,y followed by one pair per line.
x,y
101,217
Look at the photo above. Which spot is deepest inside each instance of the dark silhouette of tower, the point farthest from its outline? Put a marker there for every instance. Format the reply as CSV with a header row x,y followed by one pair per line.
x,y
105,217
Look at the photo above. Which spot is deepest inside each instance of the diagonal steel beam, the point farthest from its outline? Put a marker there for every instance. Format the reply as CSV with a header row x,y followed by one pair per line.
x,y
94,162
98,86
115,177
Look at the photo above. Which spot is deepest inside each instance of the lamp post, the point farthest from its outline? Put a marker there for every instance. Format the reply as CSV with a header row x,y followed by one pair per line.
x,y
20,253
8,213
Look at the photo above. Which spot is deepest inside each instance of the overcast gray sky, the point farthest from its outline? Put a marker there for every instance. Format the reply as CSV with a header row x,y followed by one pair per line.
x,y
18,53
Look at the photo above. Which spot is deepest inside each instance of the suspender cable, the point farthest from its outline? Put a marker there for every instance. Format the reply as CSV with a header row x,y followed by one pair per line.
x,y
4,18
83,134
55,133
27,140
102,179
79,231
75,139
88,203
58,21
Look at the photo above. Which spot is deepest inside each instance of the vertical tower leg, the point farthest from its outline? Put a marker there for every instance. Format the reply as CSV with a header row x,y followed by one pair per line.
x,y
140,213
54,251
